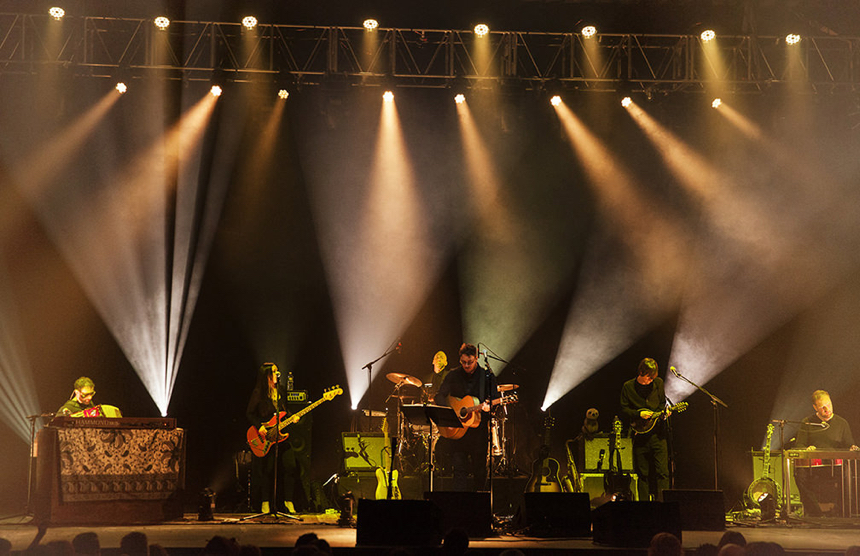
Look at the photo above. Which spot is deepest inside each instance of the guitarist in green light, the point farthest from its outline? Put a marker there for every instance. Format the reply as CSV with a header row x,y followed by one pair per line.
x,y
642,398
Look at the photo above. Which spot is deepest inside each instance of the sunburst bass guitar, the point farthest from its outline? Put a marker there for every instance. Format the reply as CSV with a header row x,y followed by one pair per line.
x,y
261,439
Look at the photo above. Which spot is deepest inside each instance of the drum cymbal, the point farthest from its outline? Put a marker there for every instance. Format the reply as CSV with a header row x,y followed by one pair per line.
x,y
399,378
507,387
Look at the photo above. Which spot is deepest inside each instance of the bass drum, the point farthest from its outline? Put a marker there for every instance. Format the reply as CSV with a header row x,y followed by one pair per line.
x,y
759,488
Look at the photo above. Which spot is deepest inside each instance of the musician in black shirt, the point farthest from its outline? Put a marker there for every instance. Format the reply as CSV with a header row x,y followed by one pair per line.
x,y
469,453
642,398
81,398
819,480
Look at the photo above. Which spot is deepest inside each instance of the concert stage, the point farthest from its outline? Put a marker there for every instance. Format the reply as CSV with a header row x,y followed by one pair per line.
x,y
186,537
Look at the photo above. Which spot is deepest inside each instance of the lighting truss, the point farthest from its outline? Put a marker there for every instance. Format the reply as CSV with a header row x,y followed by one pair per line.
x,y
95,46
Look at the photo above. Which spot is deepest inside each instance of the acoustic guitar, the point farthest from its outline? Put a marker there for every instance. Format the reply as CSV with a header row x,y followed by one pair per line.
x,y
544,477
468,410
261,439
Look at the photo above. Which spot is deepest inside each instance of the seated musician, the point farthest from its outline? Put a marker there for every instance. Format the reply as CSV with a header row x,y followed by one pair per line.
x,y
820,481
81,398
469,453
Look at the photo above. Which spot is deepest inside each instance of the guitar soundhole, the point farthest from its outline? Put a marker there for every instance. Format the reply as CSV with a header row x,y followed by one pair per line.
x,y
463,413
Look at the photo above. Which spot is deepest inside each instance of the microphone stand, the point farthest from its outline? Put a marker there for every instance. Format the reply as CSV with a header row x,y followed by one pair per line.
x,y
369,367
786,463
715,402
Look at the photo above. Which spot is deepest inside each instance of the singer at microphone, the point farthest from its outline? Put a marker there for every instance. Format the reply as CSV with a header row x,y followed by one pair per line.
x,y
824,430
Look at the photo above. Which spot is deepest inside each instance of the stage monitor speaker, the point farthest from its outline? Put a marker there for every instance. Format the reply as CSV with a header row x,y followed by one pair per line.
x,y
365,451
633,524
398,523
701,510
597,454
558,514
467,510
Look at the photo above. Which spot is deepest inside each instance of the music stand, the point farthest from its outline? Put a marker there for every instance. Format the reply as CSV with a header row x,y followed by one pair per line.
x,y
426,415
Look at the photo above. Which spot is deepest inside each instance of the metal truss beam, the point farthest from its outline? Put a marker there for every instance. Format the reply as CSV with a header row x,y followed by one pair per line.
x,y
194,50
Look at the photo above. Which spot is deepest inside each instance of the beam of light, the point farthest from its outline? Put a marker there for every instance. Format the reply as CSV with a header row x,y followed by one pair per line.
x,y
17,389
715,67
507,267
754,275
617,299
742,123
378,254
114,242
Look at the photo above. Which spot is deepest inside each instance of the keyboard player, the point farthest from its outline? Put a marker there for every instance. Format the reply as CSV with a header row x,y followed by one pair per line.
x,y
819,481
81,398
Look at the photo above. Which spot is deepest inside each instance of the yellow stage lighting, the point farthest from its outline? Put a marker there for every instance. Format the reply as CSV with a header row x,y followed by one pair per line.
x,y
460,98
283,94
121,87
388,96
717,102
370,24
481,30
162,22
249,22
589,31
555,100
626,101
708,35
216,91
792,38
57,13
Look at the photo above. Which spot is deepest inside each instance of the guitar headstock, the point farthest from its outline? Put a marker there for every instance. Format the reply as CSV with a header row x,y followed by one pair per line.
x,y
504,400
332,393
616,426
769,430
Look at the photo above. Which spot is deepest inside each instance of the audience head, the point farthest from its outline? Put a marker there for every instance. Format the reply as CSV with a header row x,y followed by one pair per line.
x,y
665,544
5,547
307,538
512,552
87,544
456,541
764,549
731,549
221,546
732,537
707,549
853,551
156,549
134,544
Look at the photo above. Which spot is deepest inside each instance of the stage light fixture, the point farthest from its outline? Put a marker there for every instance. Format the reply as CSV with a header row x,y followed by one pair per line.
x,y
708,35
792,38
460,98
121,87
482,30
283,94
388,96
161,22
555,100
57,13
370,24
589,31
717,102
626,101
216,91
249,22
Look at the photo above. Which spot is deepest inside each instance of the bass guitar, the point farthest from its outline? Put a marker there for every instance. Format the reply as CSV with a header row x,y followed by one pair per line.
x,y
642,426
382,485
261,439
544,477
468,410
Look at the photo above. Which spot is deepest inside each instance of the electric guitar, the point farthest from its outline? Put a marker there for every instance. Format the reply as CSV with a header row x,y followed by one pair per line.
x,y
641,426
616,483
261,439
544,477
382,485
468,410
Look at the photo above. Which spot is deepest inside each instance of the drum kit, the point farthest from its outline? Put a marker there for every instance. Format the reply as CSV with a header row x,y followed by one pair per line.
x,y
415,440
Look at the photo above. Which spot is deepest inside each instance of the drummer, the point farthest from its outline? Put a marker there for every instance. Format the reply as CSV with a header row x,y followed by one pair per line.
x,y
440,371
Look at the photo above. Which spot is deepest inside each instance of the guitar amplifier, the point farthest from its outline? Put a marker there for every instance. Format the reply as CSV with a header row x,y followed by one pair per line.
x,y
596,457
365,451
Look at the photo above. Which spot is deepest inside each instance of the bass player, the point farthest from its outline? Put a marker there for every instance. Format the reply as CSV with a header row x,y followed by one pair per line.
x,y
643,398
269,393
469,452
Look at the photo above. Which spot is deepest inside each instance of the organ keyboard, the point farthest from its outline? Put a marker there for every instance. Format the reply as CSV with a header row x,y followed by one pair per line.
x,y
64,421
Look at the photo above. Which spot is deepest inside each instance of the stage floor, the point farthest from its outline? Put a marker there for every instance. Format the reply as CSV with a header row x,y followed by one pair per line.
x,y
188,536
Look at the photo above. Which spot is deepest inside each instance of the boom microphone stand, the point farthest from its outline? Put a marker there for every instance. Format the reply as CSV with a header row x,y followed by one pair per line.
x,y
715,402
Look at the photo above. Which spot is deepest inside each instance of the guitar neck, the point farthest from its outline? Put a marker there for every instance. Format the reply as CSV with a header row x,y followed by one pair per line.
x,y
294,418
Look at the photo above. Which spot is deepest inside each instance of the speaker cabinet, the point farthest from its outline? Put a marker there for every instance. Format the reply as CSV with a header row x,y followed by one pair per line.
x,y
558,514
633,524
365,451
398,523
596,455
467,510
701,510
592,483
